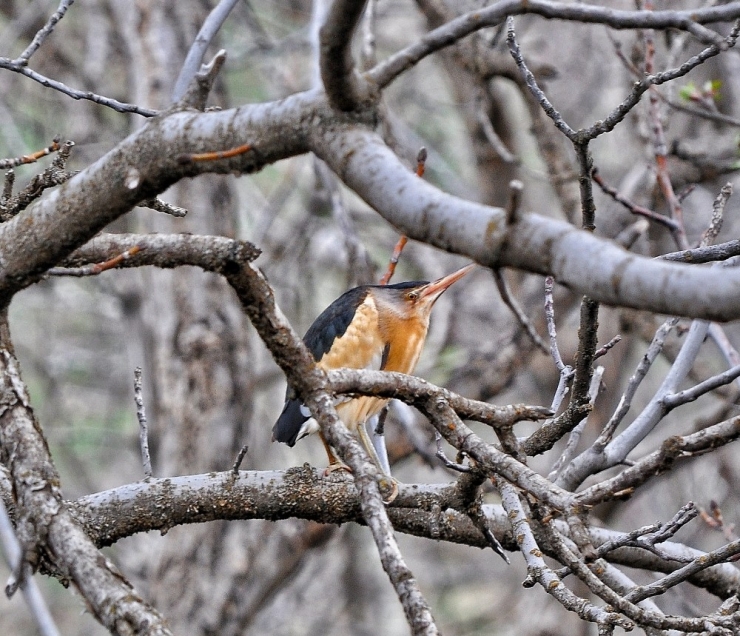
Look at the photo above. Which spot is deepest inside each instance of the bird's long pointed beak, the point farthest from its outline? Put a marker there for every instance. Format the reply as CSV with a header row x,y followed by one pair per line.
x,y
435,289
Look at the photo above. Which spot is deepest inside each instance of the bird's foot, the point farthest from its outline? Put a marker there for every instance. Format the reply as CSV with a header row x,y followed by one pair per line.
x,y
388,487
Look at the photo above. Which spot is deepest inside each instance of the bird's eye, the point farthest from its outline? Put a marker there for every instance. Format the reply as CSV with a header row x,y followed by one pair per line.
x,y
413,295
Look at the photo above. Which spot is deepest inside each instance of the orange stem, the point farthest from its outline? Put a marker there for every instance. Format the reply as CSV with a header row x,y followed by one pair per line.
x,y
216,155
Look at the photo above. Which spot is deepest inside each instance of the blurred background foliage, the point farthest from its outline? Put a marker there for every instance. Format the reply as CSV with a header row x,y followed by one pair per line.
x,y
210,384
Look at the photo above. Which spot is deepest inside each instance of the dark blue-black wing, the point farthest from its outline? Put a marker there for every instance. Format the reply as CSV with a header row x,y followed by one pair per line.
x,y
333,322
330,325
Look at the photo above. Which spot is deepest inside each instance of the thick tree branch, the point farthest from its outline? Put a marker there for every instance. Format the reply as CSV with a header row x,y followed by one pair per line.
x,y
43,523
343,85
615,276
432,511
141,166
147,162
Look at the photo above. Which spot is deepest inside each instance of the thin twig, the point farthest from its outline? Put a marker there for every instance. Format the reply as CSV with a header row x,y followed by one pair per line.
x,y
44,32
672,449
460,468
672,400
625,402
720,555
718,209
513,305
708,254
602,351
566,371
531,83
32,158
499,147
7,190
215,155
493,15
211,26
550,319
514,201
53,175
634,208
686,514
421,161
239,459
166,208
609,546
575,435
95,268
369,49
660,150
121,107
143,429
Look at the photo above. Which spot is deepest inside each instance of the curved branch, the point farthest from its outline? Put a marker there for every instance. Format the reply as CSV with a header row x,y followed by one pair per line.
x,y
211,253
44,524
447,34
341,82
414,207
417,391
44,32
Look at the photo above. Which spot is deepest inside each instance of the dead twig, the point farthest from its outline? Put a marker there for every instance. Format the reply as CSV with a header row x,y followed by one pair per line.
x,y
143,428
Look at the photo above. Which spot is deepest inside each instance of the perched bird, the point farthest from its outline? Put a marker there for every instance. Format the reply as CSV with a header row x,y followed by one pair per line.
x,y
379,327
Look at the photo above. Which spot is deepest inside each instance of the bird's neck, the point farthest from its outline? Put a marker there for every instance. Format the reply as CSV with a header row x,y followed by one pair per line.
x,y
406,341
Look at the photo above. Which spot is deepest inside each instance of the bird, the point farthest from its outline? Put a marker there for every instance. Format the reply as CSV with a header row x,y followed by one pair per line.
x,y
378,327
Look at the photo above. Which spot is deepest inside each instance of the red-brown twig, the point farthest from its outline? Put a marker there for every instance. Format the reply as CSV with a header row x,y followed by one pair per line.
x,y
13,162
96,268
421,161
714,519
216,155
402,240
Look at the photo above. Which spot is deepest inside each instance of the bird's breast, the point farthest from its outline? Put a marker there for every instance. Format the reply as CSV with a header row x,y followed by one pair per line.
x,y
361,346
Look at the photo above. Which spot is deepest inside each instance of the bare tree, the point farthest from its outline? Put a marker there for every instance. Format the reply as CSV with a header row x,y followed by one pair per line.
x,y
140,252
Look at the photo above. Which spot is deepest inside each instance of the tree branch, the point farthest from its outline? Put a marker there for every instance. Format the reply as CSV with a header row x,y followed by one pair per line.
x,y
388,70
342,84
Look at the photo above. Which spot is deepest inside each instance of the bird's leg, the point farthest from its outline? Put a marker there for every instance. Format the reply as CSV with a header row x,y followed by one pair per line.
x,y
334,462
388,485
377,435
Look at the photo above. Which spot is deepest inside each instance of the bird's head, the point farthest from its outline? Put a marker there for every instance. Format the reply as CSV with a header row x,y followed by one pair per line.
x,y
415,299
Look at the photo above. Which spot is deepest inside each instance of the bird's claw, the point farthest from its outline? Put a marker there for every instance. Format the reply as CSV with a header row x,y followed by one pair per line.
x,y
388,489
335,467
